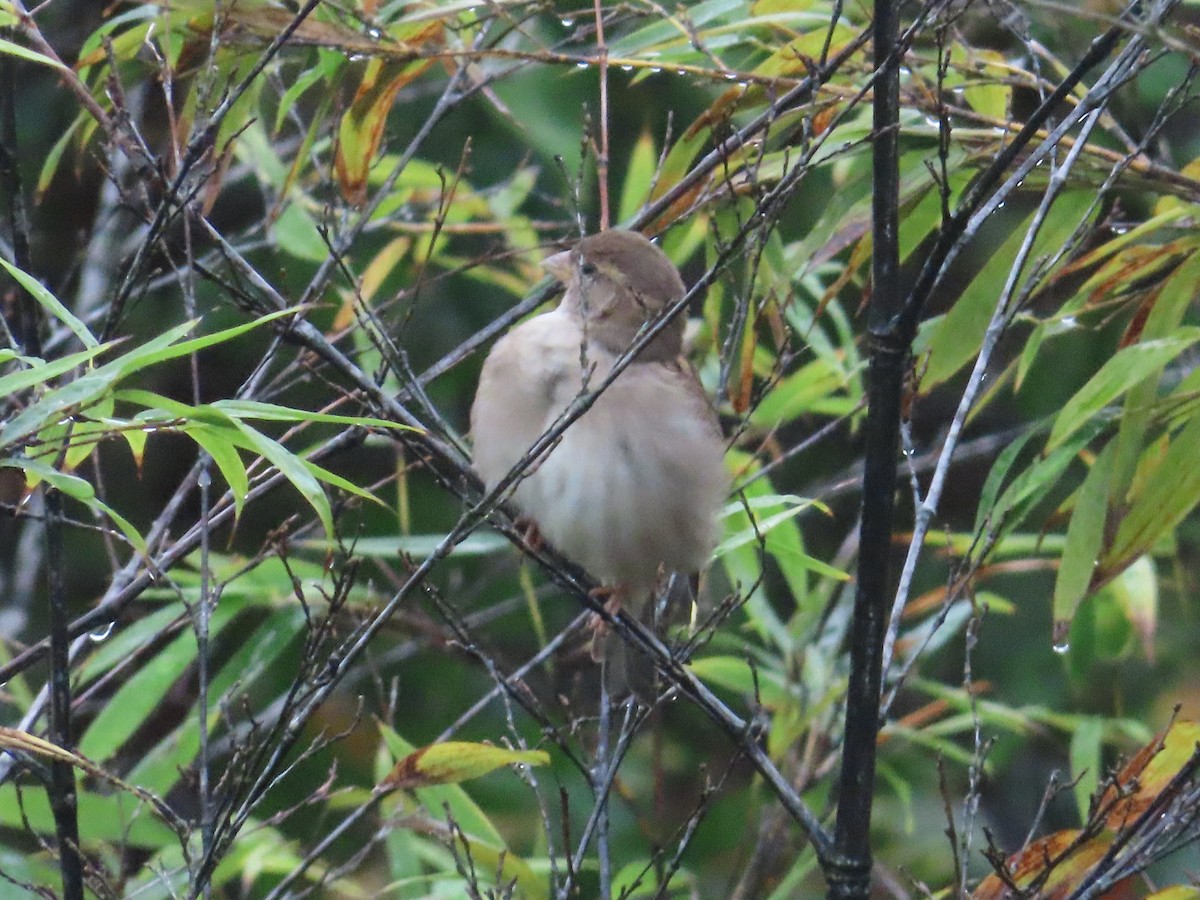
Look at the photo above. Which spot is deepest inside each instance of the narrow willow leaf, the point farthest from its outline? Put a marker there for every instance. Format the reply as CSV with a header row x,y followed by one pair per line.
x,y
1084,537
1170,305
158,407
54,157
294,469
361,129
143,691
957,340
987,91
114,818
1031,486
1136,591
256,654
1171,492
131,534
1086,743
32,55
734,674
743,563
221,444
421,546
1121,372
760,527
71,485
126,641
671,33
807,390
300,83
51,304
256,409
52,408
639,176
1073,854
40,372
996,477
337,481
164,347
1148,774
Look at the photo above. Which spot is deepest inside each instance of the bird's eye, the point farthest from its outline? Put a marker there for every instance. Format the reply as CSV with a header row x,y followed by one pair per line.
x,y
588,268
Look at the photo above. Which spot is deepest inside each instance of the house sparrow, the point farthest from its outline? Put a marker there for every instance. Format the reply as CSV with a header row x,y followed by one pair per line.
x,y
632,490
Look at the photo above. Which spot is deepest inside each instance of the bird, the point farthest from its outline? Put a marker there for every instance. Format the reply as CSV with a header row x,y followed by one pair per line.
x,y
633,489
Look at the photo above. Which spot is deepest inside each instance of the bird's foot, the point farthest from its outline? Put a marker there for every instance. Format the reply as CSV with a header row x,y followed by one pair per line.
x,y
613,596
530,533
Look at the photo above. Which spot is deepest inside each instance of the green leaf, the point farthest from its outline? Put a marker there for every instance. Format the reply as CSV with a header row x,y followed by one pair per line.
x,y
77,488
638,177
1171,492
51,304
143,691
255,409
161,768
1085,535
131,534
128,639
32,55
156,404
163,347
337,481
1032,485
54,157
117,819
54,406
1135,590
1126,368
437,800
293,468
1170,306
996,477
743,561
734,674
816,387
71,485
1085,762
220,444
453,762
420,546
761,527
40,372
958,338
362,126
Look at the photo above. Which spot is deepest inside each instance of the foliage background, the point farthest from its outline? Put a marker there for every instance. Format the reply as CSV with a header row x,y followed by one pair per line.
x,y
150,218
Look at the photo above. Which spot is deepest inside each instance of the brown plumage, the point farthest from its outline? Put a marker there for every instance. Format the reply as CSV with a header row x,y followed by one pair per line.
x,y
635,485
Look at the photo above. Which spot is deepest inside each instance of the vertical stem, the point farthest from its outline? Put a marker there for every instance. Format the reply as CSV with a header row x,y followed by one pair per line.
x,y
62,774
850,876
602,780
602,150
25,323
63,803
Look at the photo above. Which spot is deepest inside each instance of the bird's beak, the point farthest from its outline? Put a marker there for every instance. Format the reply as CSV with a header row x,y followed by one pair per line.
x,y
560,265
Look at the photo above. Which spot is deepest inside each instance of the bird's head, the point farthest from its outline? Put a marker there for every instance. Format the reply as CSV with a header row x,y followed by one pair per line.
x,y
616,282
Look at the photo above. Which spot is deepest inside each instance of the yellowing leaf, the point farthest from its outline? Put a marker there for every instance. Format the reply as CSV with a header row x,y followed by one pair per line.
x,y
1068,861
361,128
1149,773
451,762
1178,892
1059,863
